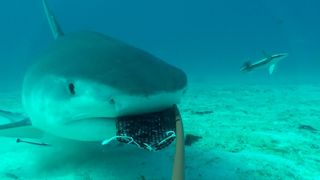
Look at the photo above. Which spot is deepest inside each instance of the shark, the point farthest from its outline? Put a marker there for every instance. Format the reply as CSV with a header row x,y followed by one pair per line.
x,y
84,81
270,62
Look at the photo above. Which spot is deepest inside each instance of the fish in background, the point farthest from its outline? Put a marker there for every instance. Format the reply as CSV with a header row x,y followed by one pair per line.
x,y
270,62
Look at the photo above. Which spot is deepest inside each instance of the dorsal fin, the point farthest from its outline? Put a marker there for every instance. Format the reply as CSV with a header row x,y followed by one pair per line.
x,y
55,28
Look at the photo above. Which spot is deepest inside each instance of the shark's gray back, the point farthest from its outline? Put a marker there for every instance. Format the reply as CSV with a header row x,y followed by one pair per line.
x,y
96,57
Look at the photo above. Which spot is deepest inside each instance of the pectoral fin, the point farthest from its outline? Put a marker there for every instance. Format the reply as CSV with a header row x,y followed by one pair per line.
x,y
22,129
13,117
271,68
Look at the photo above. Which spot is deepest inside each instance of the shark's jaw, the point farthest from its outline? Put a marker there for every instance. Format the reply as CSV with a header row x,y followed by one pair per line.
x,y
87,107
89,129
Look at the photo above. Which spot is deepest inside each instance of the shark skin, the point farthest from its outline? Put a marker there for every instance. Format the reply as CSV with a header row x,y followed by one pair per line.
x,y
86,80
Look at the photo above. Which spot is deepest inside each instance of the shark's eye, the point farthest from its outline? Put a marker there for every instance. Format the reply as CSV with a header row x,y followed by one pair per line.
x,y
72,89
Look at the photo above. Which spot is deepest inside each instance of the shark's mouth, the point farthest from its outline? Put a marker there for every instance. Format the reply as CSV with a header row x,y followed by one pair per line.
x,y
88,119
152,131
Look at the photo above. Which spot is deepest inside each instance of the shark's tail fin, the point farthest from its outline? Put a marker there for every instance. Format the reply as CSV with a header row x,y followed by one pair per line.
x,y
246,67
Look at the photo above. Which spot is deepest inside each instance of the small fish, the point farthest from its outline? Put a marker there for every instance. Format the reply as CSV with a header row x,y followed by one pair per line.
x,y
269,61
33,143
308,128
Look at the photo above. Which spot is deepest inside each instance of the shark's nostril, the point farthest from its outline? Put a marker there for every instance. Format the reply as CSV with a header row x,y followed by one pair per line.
x,y
112,101
72,88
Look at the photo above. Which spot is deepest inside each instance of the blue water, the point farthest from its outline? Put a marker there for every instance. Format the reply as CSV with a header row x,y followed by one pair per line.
x,y
205,38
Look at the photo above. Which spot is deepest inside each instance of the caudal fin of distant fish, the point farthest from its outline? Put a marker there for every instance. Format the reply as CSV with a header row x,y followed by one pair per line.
x,y
54,25
18,126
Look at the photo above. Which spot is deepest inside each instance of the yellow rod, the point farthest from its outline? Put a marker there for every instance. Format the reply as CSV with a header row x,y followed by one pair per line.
x,y
178,165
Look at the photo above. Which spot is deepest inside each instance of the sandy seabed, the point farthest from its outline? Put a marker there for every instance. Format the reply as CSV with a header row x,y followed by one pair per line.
x,y
248,132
